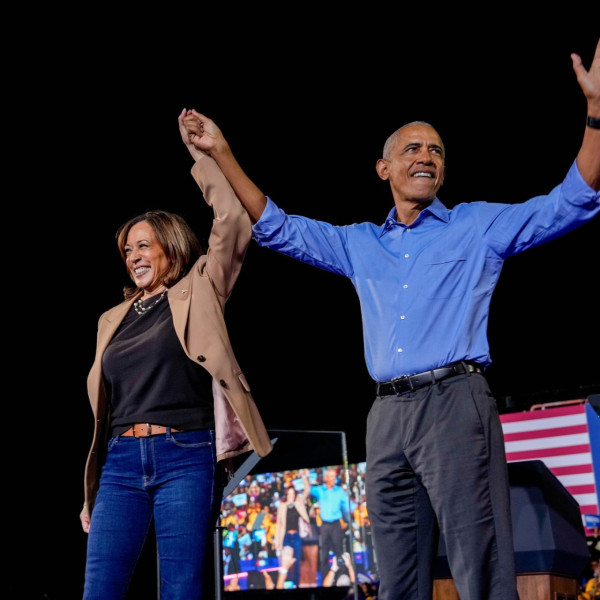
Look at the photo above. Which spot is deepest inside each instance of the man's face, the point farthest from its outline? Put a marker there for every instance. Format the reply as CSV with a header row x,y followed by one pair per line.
x,y
330,477
415,164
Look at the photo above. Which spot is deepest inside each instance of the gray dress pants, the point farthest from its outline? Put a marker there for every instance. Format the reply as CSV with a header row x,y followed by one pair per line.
x,y
436,462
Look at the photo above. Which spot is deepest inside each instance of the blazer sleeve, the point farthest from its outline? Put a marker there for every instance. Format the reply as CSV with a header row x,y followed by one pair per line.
x,y
231,231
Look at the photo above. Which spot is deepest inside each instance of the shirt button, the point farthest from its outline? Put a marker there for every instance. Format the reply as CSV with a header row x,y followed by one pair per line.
x,y
399,349
402,318
405,286
406,255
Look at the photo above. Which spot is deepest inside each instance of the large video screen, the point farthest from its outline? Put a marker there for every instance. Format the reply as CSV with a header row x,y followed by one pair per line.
x,y
298,528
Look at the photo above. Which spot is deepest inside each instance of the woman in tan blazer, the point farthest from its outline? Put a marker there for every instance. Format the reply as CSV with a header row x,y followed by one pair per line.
x,y
169,399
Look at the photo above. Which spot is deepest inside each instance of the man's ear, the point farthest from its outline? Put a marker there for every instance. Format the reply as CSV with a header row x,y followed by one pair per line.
x,y
382,169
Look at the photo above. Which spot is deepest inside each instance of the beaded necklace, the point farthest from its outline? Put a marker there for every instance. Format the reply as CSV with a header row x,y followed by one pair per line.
x,y
142,310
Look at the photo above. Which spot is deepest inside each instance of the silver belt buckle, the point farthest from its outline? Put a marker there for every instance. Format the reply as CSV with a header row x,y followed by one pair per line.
x,y
148,434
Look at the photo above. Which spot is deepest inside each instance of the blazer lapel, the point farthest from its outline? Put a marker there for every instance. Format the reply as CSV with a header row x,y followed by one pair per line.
x,y
112,321
179,301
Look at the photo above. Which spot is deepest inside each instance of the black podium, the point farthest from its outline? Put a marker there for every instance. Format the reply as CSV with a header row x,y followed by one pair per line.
x,y
548,531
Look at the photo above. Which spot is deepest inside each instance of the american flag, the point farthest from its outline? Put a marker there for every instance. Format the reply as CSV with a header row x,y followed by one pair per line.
x,y
567,440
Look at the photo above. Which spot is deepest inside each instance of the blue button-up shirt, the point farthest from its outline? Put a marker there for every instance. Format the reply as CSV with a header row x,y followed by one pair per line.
x,y
425,288
333,502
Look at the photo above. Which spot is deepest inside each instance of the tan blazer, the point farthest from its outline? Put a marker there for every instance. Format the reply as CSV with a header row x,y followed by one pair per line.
x,y
197,302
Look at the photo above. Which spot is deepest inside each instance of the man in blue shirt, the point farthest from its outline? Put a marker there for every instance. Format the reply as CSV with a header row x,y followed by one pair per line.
x,y
425,277
334,509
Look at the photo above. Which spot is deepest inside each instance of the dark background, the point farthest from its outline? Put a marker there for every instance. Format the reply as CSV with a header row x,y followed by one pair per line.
x,y
306,101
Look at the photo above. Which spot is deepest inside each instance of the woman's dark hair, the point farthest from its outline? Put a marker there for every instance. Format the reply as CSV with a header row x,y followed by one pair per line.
x,y
179,243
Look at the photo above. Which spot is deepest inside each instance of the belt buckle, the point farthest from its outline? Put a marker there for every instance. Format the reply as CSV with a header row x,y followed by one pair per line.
x,y
403,379
148,434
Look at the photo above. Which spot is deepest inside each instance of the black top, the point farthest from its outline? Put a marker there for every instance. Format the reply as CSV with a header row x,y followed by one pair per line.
x,y
150,379
291,520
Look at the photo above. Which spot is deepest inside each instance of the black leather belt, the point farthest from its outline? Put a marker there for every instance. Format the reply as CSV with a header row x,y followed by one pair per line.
x,y
409,383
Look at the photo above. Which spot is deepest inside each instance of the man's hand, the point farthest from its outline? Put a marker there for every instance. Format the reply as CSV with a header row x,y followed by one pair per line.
x,y
588,157
190,129
200,131
202,136
589,81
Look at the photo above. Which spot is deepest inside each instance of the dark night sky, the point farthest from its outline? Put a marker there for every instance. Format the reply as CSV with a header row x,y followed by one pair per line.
x,y
306,114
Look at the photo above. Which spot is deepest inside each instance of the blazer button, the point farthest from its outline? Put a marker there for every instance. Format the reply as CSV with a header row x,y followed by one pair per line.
x,y
201,358
223,383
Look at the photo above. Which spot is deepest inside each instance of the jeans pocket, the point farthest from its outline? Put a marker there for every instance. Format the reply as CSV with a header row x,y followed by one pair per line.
x,y
112,443
192,439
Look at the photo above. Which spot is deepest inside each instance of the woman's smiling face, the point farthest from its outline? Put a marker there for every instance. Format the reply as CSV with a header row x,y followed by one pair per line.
x,y
146,261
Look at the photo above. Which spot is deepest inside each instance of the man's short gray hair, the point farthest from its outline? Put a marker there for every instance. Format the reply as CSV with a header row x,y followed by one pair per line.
x,y
389,143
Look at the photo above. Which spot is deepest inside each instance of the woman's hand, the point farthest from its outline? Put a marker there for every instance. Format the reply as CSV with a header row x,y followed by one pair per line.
x,y
201,133
190,129
84,517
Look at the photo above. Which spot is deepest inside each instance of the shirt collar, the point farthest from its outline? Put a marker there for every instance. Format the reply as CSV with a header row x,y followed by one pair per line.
x,y
436,208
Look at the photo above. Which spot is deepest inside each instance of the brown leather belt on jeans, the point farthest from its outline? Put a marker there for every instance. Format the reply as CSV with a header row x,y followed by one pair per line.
x,y
147,429
409,383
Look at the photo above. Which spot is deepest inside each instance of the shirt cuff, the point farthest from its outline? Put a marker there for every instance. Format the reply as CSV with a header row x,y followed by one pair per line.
x,y
271,220
576,186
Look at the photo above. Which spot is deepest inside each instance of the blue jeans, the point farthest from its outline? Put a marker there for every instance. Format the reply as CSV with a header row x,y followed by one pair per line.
x,y
295,542
173,479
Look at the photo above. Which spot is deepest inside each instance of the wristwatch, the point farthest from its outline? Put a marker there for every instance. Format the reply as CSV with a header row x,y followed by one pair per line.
x,y
593,122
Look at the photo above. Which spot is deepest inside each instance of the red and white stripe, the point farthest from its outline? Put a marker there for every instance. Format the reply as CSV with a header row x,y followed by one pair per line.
x,y
560,438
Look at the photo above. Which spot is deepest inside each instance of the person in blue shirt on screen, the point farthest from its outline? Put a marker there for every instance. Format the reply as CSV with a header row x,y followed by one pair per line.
x,y
334,514
425,277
